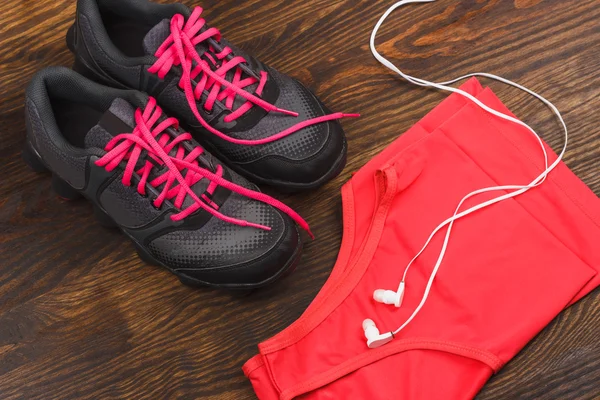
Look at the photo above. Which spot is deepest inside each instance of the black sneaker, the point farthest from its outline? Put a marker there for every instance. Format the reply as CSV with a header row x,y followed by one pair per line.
x,y
263,124
182,208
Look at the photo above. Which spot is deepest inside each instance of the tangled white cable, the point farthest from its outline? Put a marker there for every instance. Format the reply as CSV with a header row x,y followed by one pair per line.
x,y
390,297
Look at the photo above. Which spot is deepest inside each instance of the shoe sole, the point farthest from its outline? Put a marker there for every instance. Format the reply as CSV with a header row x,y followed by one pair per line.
x,y
68,193
283,186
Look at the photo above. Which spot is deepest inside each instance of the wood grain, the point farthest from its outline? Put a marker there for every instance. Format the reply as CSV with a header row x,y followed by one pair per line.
x,y
82,317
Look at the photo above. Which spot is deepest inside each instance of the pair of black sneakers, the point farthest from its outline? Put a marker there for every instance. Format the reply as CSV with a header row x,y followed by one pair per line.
x,y
182,198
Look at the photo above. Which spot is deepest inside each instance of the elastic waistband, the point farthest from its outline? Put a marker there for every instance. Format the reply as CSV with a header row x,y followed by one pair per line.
x,y
256,369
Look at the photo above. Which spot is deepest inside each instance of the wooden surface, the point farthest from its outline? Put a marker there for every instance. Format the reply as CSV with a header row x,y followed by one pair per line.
x,y
82,317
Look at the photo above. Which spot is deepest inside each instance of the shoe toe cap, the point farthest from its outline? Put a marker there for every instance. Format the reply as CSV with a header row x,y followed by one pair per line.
x,y
306,158
228,255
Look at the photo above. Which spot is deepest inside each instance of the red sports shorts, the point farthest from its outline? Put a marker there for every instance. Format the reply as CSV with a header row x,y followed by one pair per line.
x,y
508,271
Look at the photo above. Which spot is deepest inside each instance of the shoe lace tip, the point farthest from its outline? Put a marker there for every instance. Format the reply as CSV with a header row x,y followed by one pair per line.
x,y
286,112
257,226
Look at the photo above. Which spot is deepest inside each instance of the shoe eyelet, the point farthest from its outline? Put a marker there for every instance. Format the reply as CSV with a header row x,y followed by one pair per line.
x,y
152,204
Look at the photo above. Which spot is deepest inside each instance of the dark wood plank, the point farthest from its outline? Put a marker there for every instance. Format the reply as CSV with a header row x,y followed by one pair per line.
x,y
82,317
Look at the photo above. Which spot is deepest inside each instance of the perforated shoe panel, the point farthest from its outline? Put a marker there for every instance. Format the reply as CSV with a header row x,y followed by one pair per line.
x,y
298,146
220,244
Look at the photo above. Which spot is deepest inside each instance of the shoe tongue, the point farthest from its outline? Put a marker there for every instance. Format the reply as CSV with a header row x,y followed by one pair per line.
x,y
119,118
161,31
157,35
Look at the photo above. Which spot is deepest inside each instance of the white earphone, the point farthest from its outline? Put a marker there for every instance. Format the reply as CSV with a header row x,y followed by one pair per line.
x,y
389,296
374,338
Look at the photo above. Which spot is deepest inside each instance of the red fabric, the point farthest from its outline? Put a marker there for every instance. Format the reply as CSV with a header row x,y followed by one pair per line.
x,y
509,269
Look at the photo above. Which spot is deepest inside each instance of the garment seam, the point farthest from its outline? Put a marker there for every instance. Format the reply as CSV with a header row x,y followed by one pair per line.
x,y
366,252
253,364
349,209
378,224
484,356
350,227
286,342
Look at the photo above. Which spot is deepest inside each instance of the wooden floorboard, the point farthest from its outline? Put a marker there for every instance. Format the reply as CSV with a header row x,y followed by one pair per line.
x,y
82,317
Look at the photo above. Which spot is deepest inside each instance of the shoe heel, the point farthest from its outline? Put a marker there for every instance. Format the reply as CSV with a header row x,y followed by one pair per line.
x,y
80,66
32,159
64,190
71,38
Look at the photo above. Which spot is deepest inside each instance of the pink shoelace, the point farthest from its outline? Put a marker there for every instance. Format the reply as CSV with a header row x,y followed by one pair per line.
x,y
129,146
179,49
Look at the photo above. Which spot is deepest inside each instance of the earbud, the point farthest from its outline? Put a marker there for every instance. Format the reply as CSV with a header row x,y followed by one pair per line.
x,y
374,338
389,296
